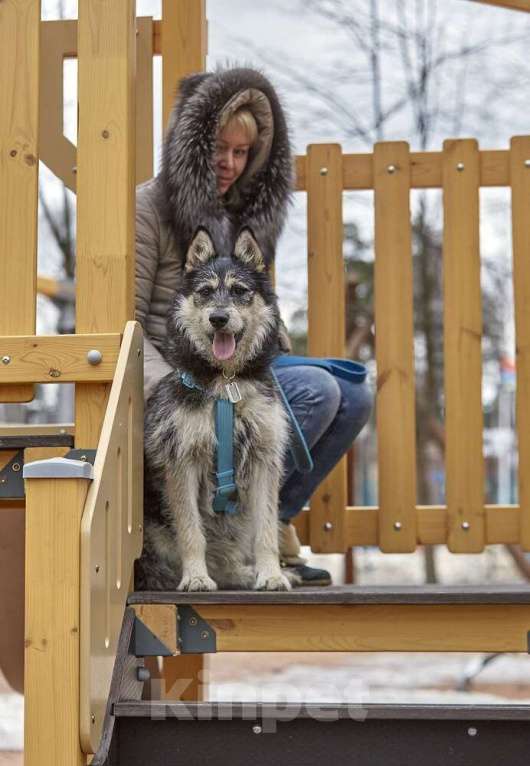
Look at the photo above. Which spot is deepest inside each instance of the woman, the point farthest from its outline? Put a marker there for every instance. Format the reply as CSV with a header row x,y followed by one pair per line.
x,y
226,162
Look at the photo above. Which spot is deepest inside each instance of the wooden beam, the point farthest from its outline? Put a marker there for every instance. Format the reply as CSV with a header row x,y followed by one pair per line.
x,y
512,5
368,627
58,358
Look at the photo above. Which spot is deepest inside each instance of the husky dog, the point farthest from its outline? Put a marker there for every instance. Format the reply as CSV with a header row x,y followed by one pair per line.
x,y
222,329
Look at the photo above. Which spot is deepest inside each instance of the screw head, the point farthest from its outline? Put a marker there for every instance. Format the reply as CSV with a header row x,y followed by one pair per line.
x,y
397,526
16,467
97,568
466,525
6,359
472,731
460,166
257,729
94,356
204,635
328,526
323,171
54,373
93,718
192,621
105,133
391,169
527,163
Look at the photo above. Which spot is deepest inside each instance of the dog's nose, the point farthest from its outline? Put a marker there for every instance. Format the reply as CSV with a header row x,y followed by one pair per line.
x,y
218,319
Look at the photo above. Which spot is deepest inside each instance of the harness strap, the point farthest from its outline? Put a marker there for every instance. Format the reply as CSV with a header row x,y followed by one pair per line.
x,y
225,500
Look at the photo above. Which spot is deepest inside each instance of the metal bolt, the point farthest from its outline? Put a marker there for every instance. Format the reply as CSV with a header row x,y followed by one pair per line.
x,y
93,718
13,153
54,373
3,481
105,133
143,674
257,729
16,466
472,731
97,568
323,171
94,356
460,166
205,635
397,526
465,525
527,163
83,457
328,526
391,169
6,359
193,621
74,170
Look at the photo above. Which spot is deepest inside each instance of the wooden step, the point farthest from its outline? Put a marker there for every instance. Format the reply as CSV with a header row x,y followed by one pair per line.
x,y
313,735
349,618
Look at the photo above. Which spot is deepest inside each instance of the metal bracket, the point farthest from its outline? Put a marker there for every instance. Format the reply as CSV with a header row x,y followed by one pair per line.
x,y
194,635
146,644
82,454
11,481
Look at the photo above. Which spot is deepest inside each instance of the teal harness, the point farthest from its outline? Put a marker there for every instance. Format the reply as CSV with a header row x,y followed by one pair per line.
x,y
225,499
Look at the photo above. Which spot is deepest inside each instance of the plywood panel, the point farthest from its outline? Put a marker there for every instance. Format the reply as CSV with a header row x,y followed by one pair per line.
x,y
464,460
395,410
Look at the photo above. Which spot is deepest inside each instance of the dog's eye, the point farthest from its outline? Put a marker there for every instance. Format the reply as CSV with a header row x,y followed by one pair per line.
x,y
205,291
239,290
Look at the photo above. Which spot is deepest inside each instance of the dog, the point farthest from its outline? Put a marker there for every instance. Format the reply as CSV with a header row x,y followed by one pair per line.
x,y
222,330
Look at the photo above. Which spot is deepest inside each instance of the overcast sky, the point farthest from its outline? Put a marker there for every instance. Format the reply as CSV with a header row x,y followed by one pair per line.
x,y
486,99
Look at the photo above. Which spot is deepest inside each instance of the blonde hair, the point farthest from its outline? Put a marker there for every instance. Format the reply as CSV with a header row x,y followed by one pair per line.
x,y
244,119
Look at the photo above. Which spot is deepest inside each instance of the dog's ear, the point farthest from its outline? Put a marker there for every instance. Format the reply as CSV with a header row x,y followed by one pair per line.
x,y
200,251
248,251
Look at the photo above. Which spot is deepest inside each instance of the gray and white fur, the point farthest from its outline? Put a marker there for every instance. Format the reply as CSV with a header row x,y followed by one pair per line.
x,y
226,294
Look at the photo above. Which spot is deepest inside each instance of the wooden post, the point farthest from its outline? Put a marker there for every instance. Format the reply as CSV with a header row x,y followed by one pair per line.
x,y
520,181
51,710
326,320
105,186
19,172
396,426
464,461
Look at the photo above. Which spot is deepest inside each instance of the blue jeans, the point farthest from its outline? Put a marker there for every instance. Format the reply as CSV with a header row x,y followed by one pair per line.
x,y
330,412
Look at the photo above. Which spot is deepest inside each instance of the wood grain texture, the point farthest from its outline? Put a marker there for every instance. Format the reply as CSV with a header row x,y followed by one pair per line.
x,y
326,326
395,403
464,462
19,172
184,46
58,358
53,516
520,181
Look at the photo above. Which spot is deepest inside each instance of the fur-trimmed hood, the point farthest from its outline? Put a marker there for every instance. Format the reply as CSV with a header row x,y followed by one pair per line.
x,y
260,197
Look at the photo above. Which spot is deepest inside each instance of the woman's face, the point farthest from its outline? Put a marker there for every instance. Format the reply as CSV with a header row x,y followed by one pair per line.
x,y
231,156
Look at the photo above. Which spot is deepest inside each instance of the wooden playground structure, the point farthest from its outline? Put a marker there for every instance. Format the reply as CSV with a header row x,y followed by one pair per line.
x,y
66,596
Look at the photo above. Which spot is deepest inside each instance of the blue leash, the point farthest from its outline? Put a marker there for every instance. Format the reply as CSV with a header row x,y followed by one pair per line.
x,y
225,500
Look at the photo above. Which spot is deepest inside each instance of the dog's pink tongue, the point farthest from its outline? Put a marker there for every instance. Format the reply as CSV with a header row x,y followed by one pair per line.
x,y
224,345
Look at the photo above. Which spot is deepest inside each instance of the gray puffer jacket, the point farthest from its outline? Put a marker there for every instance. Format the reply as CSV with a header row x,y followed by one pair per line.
x,y
170,207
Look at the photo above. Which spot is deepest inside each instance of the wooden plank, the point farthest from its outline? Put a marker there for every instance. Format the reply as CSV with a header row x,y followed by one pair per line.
x,y
368,627
184,46
53,516
520,182
326,328
111,534
464,460
19,172
425,170
395,407
106,186
144,100
58,358
513,5
37,429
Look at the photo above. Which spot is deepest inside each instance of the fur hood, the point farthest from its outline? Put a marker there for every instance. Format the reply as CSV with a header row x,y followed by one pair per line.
x,y
259,198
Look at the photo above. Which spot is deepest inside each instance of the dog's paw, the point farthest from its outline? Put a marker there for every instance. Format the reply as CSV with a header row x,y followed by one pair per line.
x,y
272,581
197,583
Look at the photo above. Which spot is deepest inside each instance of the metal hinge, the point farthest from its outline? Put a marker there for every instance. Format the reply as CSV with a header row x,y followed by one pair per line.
x,y
194,634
